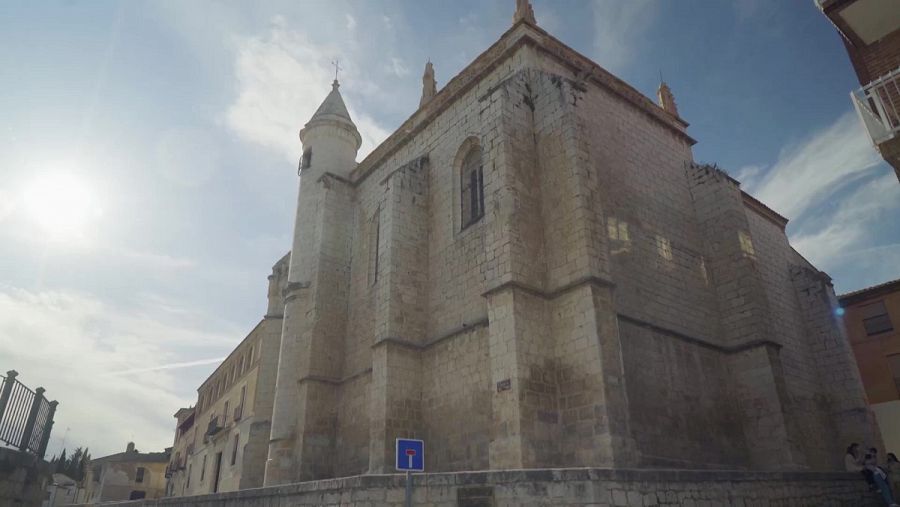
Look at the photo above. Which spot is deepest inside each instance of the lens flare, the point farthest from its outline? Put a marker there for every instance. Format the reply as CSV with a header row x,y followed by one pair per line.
x,y
62,205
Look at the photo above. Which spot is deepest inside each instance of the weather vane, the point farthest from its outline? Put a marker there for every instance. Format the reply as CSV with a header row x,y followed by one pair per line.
x,y
337,68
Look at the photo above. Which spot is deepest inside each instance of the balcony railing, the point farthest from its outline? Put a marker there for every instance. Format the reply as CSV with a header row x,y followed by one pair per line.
x,y
26,417
214,426
878,105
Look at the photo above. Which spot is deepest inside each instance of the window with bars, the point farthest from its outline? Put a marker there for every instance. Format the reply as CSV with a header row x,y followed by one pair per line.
x,y
472,188
876,319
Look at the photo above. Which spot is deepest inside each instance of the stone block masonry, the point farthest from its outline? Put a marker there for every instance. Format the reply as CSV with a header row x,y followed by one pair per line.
x,y
533,272
596,487
613,303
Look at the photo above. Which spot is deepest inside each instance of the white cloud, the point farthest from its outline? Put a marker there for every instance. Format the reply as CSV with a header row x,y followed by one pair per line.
x,y
351,23
850,229
7,204
172,366
398,67
806,173
619,26
282,77
837,200
748,175
66,341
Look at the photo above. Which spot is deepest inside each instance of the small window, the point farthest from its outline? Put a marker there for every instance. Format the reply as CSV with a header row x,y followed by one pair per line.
x,y
746,243
664,247
374,239
137,495
225,413
234,449
242,365
188,482
472,188
617,231
139,475
250,357
876,319
203,469
306,161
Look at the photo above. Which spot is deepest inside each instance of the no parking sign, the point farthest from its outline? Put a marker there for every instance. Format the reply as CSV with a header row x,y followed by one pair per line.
x,y
410,455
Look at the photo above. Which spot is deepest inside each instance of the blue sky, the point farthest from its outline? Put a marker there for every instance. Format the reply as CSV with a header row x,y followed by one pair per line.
x,y
148,160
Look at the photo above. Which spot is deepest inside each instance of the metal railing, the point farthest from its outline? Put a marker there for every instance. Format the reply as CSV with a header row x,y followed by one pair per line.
x,y
214,426
878,106
26,417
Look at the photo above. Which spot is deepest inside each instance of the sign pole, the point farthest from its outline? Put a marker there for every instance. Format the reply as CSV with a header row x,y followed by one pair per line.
x,y
409,479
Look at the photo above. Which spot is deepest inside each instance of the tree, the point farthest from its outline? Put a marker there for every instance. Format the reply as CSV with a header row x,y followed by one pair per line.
x,y
60,465
73,466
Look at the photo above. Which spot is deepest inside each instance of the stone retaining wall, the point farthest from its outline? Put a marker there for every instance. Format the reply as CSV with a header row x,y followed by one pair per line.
x,y
550,487
23,478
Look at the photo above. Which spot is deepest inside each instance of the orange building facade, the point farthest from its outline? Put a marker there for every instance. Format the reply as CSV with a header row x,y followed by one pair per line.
x,y
872,318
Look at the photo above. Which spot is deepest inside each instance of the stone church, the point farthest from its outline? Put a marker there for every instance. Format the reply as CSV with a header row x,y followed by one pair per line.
x,y
533,272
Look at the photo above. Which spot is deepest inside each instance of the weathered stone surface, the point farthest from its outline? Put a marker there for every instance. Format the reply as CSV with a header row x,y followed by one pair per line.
x,y
615,305
555,487
23,478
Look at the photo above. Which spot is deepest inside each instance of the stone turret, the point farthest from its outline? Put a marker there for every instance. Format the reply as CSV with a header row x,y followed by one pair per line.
x,y
330,138
314,299
429,85
667,99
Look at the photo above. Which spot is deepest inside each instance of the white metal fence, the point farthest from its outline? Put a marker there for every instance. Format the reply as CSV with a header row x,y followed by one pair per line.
x,y
878,105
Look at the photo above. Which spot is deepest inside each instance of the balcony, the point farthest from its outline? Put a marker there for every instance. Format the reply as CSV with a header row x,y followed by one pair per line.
x,y
214,426
878,106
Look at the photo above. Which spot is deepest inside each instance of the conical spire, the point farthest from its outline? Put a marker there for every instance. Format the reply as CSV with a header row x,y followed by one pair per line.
x,y
333,107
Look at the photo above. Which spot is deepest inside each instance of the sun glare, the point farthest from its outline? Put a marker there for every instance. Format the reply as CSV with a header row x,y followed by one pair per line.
x,y
62,205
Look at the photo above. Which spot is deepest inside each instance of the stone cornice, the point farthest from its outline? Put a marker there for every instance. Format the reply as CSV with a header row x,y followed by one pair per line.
x,y
551,294
334,381
764,211
463,329
734,349
520,34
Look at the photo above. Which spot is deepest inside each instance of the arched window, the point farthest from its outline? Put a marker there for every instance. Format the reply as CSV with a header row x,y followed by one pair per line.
x,y
471,187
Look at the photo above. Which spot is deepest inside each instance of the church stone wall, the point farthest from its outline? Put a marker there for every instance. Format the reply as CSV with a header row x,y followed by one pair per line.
x,y
605,310
808,406
456,402
422,306
680,396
